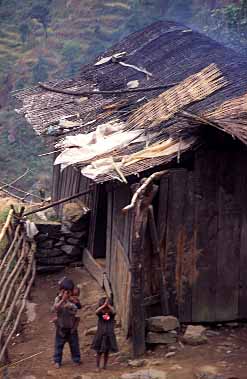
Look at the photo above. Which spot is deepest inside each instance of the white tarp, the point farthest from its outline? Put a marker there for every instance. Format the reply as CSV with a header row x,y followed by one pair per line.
x,y
86,147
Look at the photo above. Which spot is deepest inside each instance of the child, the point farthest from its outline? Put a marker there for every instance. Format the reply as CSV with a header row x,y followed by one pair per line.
x,y
74,298
66,306
104,341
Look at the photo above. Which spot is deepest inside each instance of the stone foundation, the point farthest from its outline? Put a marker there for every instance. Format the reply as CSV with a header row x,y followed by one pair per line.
x,y
60,244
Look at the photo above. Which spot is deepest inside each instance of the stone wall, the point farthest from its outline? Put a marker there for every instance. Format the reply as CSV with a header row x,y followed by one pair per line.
x,y
60,244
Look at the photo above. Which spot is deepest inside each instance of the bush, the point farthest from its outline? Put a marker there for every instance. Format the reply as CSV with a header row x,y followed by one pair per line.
x,y
71,51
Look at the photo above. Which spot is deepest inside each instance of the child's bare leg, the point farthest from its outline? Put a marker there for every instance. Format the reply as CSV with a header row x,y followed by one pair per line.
x,y
98,357
106,356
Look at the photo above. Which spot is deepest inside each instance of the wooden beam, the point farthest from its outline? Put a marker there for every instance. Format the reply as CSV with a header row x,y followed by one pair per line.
x,y
153,230
140,216
93,267
106,286
58,202
156,247
143,188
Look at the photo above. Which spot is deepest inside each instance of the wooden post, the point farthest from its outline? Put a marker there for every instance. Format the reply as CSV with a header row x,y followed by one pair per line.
x,y
156,249
140,219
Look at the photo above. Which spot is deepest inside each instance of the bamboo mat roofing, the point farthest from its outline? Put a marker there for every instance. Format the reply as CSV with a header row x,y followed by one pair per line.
x,y
171,53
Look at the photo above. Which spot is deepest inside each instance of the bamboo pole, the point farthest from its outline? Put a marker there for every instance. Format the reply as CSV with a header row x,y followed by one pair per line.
x,y
17,271
20,310
11,260
15,180
12,274
6,300
21,191
15,299
59,202
10,248
113,92
6,225
20,361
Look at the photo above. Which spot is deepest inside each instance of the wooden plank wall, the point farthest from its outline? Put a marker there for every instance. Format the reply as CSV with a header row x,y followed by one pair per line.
x,y
69,182
204,248
118,252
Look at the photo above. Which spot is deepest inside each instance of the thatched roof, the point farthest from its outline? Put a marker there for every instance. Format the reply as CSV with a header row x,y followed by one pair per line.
x,y
171,53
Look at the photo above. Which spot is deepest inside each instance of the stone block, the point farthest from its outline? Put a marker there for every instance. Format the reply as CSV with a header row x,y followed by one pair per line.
x,y
71,250
162,323
48,228
72,241
195,335
161,338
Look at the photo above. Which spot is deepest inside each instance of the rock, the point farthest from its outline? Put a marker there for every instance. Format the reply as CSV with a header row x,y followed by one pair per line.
x,y
207,372
41,237
156,362
76,264
181,345
232,324
47,244
124,357
146,374
48,227
60,242
195,335
73,241
71,250
74,211
176,367
30,311
172,348
161,338
91,332
137,363
212,333
80,234
162,323
48,253
170,354
49,269
55,261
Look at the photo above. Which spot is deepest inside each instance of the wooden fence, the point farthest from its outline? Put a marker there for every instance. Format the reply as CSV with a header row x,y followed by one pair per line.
x,y
17,274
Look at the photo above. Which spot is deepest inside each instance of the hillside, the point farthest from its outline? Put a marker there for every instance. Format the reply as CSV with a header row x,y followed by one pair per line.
x,y
43,39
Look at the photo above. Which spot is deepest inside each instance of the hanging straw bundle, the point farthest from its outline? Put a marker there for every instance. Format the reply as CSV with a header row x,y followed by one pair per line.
x,y
194,88
231,116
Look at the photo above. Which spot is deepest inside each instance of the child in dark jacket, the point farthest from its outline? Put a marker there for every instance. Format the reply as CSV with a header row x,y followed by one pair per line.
x,y
66,306
105,341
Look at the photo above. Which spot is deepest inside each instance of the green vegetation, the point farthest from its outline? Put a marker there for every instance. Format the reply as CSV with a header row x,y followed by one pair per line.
x,y
44,39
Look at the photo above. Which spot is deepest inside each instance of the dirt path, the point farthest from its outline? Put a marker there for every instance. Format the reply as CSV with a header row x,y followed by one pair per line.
x,y
226,349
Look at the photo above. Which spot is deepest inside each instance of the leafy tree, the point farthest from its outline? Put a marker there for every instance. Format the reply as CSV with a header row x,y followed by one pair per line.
x,y
41,13
40,70
24,32
71,51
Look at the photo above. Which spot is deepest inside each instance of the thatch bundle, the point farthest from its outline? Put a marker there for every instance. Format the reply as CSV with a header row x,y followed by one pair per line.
x,y
194,88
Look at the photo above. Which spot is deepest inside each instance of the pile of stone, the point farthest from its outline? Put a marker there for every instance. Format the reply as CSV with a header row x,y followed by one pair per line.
x,y
60,244
162,330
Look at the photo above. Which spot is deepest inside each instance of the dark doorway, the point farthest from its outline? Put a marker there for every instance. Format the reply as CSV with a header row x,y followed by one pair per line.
x,y
99,243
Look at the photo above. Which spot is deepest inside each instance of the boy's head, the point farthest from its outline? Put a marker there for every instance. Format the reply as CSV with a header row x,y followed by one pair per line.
x,y
66,284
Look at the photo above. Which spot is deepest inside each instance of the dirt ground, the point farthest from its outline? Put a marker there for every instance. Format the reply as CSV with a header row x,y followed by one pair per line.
x,y
226,349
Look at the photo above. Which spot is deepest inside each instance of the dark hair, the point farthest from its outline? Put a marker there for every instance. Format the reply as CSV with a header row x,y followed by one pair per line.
x,y
66,284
